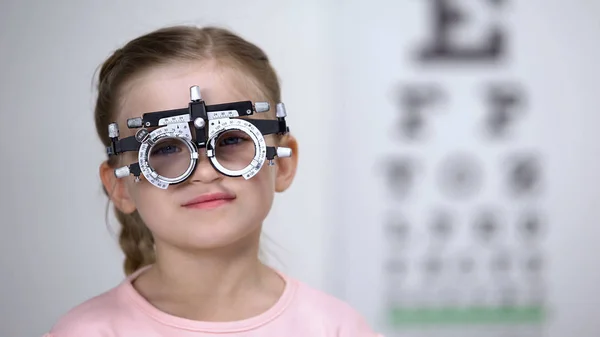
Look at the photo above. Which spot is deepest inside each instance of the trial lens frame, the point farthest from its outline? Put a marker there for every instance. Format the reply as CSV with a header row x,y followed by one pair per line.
x,y
175,123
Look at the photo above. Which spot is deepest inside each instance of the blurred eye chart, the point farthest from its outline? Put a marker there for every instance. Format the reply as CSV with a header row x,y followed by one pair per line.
x,y
443,154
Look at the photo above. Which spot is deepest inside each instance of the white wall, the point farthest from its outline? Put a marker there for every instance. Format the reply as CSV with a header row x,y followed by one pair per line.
x,y
339,62
55,248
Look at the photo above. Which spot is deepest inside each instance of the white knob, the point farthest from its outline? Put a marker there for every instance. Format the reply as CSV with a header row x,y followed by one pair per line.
x,y
195,93
122,172
199,123
134,122
284,152
113,130
281,110
262,106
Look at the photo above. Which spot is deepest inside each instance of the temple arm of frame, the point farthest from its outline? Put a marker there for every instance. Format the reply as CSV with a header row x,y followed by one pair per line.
x,y
270,126
123,145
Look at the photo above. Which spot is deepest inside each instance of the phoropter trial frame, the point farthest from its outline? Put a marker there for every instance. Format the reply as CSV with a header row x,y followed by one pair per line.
x,y
175,123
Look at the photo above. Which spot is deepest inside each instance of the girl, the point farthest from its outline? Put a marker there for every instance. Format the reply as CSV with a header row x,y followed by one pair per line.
x,y
191,250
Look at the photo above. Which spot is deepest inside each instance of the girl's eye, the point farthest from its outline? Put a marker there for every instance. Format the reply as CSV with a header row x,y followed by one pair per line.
x,y
165,150
231,141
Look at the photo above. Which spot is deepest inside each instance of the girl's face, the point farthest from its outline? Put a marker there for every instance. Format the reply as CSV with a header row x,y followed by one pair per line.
x,y
166,212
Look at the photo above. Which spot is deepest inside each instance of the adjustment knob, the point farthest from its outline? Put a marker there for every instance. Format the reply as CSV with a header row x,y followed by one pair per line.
x,y
113,130
262,106
281,113
199,123
134,122
141,134
195,95
122,172
284,152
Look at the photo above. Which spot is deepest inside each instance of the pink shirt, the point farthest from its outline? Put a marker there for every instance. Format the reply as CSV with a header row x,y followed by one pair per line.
x,y
300,312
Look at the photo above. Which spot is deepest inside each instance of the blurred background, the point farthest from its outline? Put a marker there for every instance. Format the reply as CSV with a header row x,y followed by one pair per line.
x,y
447,183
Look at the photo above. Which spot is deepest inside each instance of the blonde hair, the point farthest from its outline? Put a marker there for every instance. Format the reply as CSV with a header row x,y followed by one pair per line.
x,y
159,47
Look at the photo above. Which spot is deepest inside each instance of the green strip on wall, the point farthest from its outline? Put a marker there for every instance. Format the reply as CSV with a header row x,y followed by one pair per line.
x,y
466,316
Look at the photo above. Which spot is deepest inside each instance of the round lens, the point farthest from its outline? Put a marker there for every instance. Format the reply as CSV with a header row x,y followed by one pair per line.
x,y
170,157
234,150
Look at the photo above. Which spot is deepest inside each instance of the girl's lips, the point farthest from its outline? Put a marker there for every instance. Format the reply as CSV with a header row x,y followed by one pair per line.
x,y
209,200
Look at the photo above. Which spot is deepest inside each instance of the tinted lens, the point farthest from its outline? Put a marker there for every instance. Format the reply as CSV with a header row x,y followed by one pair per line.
x,y
234,150
170,157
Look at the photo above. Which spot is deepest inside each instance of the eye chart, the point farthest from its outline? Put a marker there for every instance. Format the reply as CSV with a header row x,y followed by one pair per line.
x,y
444,202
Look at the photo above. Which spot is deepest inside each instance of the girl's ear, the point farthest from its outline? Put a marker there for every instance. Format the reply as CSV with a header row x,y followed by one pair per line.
x,y
286,167
116,189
